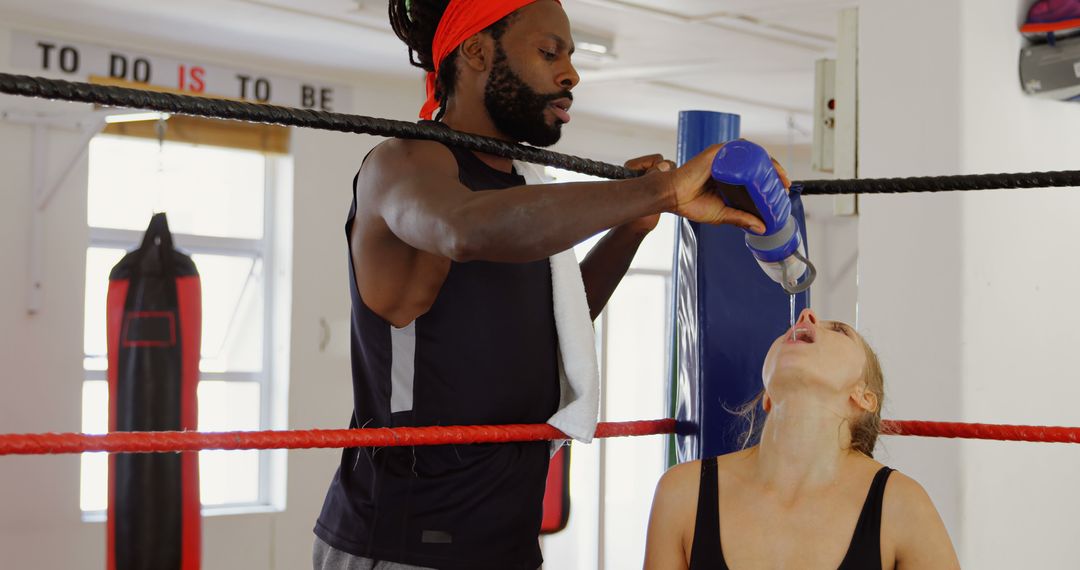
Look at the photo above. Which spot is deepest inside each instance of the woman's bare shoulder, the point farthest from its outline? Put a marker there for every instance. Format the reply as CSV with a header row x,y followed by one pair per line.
x,y
912,529
907,509
685,478
676,495
671,522
682,475
905,497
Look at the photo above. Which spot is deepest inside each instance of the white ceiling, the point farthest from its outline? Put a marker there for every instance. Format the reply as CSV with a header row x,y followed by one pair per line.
x,y
752,57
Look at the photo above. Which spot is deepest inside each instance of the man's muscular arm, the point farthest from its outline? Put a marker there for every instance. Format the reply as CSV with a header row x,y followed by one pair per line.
x,y
607,263
414,217
425,206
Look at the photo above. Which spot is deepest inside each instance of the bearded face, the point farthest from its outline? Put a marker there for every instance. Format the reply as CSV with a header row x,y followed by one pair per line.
x,y
517,110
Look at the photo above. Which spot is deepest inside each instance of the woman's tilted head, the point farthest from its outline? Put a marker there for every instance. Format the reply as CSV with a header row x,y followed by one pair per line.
x,y
829,362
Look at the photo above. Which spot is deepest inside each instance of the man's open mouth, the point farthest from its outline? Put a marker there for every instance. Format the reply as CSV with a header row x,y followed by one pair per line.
x,y
561,108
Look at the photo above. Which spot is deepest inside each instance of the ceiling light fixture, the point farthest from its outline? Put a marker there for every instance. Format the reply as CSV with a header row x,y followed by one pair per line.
x,y
135,117
594,45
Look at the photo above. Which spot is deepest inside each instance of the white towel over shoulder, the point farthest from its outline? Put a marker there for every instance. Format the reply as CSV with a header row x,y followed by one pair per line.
x,y
579,375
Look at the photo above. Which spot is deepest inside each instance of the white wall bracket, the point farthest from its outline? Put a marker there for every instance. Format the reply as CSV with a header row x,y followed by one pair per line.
x,y
836,111
823,148
42,187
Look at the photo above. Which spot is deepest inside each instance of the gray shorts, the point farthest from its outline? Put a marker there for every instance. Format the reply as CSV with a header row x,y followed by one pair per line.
x,y
326,557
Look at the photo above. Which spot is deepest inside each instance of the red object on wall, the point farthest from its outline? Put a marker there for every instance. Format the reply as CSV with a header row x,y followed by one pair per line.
x,y
557,495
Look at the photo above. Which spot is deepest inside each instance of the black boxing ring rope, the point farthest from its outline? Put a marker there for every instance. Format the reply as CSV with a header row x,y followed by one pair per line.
x,y
198,106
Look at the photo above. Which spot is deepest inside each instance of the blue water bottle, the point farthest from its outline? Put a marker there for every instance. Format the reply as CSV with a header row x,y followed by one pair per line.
x,y
747,180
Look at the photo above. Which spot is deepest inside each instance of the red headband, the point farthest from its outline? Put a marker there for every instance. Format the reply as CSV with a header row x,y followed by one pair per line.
x,y
462,20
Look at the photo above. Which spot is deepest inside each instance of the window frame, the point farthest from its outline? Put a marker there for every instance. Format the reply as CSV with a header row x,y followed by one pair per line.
x,y
593,462
258,250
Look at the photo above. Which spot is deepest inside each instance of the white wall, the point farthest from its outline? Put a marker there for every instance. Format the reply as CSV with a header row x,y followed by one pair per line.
x,y
967,297
42,355
1020,326
910,247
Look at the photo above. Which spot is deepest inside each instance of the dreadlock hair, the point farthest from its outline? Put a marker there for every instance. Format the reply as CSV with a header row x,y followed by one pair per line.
x,y
415,23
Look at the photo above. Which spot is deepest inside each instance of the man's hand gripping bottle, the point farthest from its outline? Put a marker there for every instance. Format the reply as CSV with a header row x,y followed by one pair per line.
x,y
747,180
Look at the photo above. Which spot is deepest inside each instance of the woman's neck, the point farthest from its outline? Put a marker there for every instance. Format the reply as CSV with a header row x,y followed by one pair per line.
x,y
803,445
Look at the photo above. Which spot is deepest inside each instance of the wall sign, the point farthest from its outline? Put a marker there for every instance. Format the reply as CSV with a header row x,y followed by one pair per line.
x,y
76,61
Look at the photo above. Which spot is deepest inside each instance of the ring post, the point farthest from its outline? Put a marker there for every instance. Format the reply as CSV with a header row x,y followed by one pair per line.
x,y
726,314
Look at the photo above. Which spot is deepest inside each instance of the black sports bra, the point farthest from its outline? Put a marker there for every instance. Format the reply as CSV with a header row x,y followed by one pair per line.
x,y
864,553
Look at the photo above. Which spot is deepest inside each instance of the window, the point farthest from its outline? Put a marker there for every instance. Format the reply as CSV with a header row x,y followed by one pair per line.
x,y
220,204
633,335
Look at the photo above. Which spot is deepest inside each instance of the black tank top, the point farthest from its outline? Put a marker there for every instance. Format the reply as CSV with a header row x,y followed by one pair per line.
x,y
485,353
864,552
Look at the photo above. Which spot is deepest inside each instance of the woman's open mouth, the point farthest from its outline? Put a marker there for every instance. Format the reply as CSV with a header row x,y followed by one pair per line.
x,y
802,334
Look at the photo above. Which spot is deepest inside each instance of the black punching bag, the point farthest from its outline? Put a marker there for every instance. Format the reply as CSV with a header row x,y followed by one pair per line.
x,y
154,329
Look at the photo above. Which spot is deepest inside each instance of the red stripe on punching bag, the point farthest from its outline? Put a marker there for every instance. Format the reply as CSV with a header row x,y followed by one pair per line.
x,y
189,301
114,321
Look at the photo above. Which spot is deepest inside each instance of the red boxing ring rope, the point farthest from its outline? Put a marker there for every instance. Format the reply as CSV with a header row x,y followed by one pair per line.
x,y
148,442
145,442
999,432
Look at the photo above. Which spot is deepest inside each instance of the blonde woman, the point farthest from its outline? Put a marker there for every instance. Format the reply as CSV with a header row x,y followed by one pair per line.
x,y
809,494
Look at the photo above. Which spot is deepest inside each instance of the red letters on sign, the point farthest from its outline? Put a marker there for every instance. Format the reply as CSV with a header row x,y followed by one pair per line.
x,y
198,84
192,79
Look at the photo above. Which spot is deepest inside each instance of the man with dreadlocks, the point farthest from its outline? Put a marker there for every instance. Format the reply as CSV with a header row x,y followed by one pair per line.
x,y
452,320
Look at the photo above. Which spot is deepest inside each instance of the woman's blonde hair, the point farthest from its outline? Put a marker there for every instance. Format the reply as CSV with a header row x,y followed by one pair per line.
x,y
864,429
